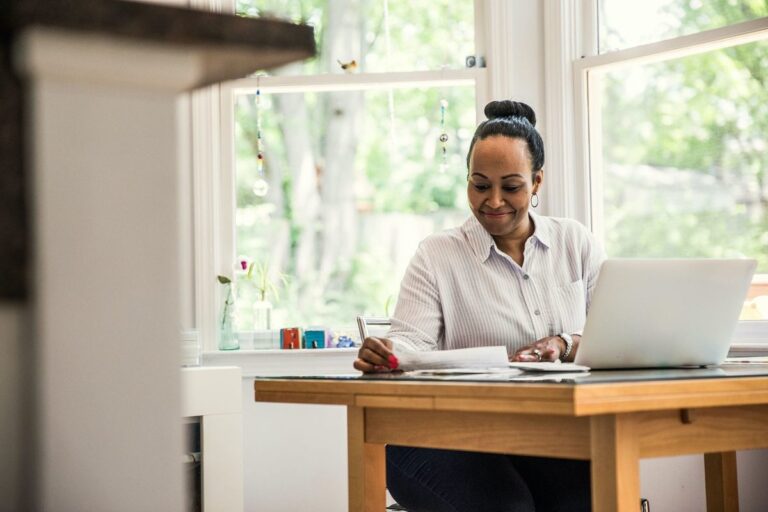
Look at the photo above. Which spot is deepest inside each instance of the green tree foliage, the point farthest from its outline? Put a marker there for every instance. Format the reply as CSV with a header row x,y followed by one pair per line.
x,y
421,36
397,156
705,114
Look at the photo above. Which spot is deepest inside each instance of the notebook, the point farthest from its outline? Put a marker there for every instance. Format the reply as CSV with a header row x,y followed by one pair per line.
x,y
664,313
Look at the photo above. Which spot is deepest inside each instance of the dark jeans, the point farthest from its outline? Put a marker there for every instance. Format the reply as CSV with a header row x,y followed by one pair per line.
x,y
429,480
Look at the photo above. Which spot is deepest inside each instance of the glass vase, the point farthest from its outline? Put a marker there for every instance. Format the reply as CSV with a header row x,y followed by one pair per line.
x,y
227,338
262,315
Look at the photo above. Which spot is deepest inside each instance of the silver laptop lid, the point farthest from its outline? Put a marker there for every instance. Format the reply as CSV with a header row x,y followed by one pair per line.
x,y
664,313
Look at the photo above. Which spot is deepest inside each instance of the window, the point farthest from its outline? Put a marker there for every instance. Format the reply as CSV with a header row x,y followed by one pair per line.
x,y
352,157
625,24
382,36
677,129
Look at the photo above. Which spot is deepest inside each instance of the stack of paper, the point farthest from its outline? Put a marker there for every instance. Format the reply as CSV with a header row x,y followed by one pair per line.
x,y
480,358
548,366
473,361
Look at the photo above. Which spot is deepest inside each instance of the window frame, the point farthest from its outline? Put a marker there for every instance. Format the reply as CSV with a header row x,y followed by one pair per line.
x,y
505,53
310,84
572,76
556,86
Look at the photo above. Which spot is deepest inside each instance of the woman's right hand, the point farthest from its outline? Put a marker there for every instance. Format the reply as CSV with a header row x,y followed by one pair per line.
x,y
375,355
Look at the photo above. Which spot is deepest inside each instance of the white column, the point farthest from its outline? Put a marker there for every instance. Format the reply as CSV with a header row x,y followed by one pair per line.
x,y
570,35
514,51
103,131
513,42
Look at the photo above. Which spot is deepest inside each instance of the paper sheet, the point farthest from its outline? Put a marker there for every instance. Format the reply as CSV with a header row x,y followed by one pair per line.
x,y
548,377
467,371
465,358
548,366
476,360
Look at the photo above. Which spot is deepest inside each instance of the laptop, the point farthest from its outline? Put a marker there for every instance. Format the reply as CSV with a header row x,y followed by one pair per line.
x,y
664,313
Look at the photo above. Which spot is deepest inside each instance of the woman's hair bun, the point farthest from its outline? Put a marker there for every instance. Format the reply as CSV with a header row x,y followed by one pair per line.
x,y
509,108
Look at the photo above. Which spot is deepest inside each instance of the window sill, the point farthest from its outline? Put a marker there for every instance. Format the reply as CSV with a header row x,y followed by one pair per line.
x,y
750,339
294,363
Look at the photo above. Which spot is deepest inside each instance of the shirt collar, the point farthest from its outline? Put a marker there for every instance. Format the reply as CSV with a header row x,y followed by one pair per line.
x,y
541,228
479,239
482,242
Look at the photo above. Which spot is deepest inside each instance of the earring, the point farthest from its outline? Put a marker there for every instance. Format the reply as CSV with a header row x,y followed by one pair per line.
x,y
260,186
443,136
535,197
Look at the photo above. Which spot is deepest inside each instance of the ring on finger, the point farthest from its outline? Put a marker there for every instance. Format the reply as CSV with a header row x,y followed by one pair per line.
x,y
537,353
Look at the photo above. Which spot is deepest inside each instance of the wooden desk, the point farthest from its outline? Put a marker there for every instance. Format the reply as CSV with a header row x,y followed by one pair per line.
x,y
610,418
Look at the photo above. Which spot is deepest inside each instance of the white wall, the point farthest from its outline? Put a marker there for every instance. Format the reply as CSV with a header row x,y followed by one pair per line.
x,y
295,456
104,298
677,483
753,468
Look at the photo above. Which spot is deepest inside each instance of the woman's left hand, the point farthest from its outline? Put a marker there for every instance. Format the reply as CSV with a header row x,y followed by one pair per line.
x,y
545,349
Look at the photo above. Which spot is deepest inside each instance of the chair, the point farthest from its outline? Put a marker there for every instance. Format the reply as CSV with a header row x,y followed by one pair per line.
x,y
372,326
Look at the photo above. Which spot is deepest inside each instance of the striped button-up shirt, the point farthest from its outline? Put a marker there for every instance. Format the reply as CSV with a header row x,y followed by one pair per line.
x,y
461,291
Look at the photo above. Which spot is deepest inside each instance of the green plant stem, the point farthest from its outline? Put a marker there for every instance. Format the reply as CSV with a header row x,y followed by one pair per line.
x,y
226,305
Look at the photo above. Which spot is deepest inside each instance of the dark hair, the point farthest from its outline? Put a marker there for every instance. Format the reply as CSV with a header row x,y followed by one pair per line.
x,y
515,120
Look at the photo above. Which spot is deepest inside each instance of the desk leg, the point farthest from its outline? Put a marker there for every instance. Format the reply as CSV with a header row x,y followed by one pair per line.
x,y
366,464
615,464
721,481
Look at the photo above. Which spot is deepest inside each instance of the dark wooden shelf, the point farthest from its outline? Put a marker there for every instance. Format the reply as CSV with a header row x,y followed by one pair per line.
x,y
233,46
227,47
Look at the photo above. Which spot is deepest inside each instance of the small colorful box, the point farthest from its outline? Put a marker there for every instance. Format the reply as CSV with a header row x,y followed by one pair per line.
x,y
317,337
291,338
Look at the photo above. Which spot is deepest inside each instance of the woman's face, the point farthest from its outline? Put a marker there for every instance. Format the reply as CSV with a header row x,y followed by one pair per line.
x,y
500,185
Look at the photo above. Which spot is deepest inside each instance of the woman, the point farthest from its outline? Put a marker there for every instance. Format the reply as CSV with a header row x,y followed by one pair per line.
x,y
505,277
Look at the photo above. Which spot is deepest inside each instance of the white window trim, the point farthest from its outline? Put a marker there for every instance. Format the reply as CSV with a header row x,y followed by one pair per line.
x,y
571,49
508,36
682,46
205,168
211,242
353,82
570,35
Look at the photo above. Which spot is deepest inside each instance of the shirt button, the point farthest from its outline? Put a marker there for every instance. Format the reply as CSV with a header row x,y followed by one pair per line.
x,y
526,276
537,312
